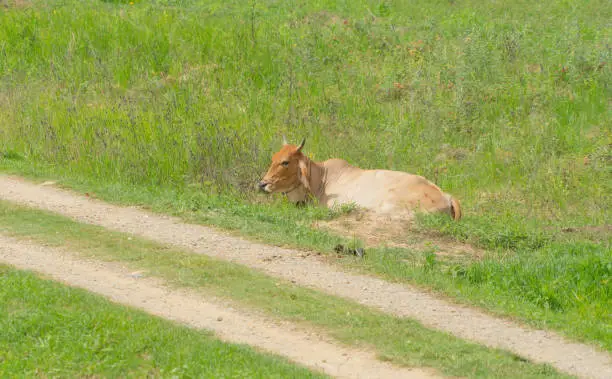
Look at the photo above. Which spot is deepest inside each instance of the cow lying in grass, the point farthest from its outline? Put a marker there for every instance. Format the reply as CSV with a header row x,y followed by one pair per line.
x,y
334,182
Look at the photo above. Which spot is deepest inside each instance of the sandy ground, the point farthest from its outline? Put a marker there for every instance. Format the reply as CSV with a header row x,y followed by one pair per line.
x,y
312,271
229,324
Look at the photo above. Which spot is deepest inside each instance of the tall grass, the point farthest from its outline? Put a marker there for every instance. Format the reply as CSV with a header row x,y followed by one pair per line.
x,y
503,104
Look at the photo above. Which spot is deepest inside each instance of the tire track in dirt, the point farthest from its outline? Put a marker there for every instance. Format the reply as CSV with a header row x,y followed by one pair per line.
x,y
229,324
311,271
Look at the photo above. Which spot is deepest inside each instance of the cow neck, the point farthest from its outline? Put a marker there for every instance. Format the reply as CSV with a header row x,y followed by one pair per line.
x,y
318,177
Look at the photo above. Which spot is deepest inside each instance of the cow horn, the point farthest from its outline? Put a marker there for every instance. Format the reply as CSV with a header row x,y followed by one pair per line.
x,y
302,144
284,140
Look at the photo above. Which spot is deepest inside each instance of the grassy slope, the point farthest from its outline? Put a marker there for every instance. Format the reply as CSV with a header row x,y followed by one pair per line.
x,y
399,340
53,330
178,105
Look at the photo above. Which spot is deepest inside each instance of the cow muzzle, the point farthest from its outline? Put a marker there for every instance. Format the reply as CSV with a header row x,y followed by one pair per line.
x,y
263,186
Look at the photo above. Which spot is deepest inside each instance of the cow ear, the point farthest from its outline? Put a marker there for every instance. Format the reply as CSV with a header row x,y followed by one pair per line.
x,y
301,145
304,174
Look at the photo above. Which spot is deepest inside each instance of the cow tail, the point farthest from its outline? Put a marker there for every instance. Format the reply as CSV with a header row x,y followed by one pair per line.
x,y
455,209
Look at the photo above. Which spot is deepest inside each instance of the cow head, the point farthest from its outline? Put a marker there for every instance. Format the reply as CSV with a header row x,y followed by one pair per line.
x,y
288,171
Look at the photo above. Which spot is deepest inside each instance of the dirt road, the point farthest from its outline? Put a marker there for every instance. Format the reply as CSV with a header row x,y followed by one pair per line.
x,y
228,323
311,271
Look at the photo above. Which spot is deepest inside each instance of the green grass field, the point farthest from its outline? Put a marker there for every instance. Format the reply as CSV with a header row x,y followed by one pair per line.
x,y
51,330
179,105
398,340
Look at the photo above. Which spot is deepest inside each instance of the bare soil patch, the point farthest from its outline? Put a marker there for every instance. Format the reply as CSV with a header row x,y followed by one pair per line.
x,y
228,323
378,232
312,270
15,3
594,233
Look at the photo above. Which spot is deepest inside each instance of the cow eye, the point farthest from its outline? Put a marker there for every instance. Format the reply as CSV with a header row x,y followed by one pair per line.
x,y
285,163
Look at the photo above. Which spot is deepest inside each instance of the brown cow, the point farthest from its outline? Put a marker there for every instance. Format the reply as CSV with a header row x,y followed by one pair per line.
x,y
334,182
